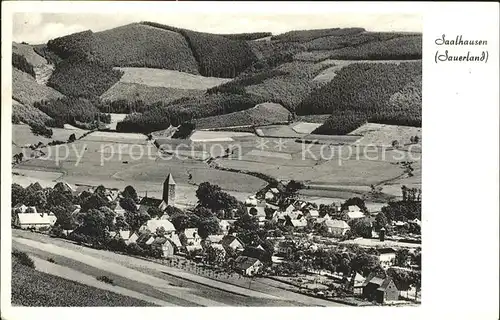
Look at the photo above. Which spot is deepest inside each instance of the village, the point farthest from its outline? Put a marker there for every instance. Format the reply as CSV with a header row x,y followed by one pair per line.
x,y
343,251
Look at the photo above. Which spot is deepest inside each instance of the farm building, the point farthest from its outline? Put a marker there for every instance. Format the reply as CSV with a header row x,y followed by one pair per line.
x,y
247,265
387,256
231,242
380,289
336,227
355,214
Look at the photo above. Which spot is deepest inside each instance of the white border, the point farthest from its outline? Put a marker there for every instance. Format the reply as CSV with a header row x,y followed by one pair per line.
x,y
460,177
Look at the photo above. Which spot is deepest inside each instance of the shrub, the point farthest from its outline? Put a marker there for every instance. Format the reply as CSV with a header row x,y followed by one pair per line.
x,y
23,258
105,279
184,130
51,260
41,130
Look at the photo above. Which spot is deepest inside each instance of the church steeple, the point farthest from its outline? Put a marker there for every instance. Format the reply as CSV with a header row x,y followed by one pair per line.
x,y
169,190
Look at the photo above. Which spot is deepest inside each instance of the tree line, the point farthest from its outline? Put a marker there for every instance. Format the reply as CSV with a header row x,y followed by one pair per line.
x,y
160,115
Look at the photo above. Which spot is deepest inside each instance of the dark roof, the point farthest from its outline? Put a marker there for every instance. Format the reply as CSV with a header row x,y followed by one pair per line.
x,y
244,262
386,250
379,282
150,202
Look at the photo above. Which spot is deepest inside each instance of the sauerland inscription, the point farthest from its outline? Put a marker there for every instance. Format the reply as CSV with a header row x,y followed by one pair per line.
x,y
458,54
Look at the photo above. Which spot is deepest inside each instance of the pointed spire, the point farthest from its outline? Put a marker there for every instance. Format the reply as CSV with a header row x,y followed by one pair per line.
x,y
170,179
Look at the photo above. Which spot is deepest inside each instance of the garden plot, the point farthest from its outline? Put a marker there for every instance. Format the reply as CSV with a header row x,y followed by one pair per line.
x,y
270,154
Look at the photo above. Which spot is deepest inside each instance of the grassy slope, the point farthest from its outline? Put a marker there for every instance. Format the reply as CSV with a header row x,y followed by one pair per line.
x,y
148,94
27,52
27,91
262,114
37,289
28,114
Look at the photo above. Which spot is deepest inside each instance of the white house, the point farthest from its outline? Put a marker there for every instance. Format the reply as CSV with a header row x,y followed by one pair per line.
x,y
387,257
355,214
153,224
34,220
337,227
192,236
251,201
225,225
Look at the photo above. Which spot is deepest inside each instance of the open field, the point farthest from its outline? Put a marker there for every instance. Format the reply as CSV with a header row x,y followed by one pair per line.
x,y
22,135
169,79
170,285
148,94
261,114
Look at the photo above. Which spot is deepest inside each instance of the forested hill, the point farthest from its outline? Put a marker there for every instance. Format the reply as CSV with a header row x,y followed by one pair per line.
x,y
171,75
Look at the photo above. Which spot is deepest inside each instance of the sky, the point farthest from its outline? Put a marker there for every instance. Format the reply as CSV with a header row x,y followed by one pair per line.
x,y
36,28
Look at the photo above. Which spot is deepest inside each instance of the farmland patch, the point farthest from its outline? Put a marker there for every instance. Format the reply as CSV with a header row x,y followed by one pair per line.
x,y
169,79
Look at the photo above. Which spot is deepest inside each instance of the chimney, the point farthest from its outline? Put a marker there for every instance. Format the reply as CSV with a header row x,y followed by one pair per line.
x,y
381,234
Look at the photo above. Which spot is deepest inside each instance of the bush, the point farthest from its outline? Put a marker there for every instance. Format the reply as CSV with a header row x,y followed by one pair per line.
x,y
51,260
41,130
105,279
184,130
23,258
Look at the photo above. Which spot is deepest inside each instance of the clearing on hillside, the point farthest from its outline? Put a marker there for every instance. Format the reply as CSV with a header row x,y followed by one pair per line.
x,y
261,114
148,94
169,79
384,134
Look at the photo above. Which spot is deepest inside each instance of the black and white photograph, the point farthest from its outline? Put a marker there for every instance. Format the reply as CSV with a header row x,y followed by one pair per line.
x,y
221,159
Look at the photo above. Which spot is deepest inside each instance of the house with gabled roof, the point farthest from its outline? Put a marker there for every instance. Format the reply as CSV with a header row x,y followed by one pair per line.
x,y
153,224
337,228
387,256
380,289
247,265
164,245
231,242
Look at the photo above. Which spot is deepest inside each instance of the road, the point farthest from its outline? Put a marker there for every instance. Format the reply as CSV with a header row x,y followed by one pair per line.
x,y
151,281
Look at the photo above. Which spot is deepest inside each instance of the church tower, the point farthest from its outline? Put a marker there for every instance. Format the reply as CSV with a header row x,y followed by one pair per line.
x,y
169,190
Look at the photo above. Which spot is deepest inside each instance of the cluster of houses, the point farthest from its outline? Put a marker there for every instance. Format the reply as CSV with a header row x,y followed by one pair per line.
x,y
160,234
